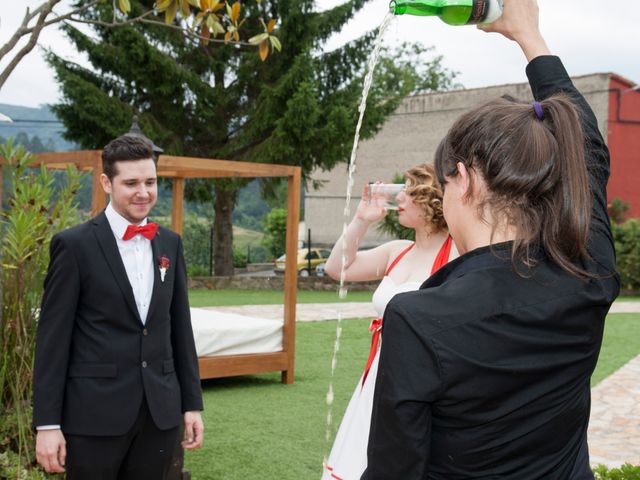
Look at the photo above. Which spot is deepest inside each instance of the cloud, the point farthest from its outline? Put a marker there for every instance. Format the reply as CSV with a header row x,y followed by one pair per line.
x,y
589,35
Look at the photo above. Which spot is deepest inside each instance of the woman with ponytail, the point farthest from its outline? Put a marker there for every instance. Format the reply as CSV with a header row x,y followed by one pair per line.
x,y
485,371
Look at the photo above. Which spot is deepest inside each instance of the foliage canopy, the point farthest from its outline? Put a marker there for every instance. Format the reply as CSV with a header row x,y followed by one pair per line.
x,y
221,101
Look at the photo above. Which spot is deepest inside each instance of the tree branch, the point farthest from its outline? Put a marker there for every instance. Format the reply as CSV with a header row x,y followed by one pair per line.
x,y
44,10
113,24
194,35
143,19
22,29
68,15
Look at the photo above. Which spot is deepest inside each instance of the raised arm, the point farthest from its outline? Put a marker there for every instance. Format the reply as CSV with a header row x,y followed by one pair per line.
x,y
547,76
519,22
359,265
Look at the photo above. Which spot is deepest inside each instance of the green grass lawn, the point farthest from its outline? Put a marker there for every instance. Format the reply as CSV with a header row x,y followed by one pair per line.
x,y
259,429
621,343
629,298
219,298
211,298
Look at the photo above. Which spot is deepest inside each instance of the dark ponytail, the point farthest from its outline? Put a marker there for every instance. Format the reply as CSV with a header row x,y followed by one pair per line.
x,y
534,168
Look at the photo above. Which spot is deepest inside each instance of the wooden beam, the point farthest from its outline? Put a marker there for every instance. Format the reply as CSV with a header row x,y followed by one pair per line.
x,y
203,167
191,173
98,195
177,205
83,159
231,365
291,273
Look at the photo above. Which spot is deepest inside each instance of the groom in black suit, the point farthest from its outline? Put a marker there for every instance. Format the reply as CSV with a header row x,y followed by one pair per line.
x,y
116,368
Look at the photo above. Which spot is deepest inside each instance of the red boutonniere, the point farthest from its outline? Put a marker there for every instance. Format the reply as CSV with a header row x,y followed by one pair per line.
x,y
163,264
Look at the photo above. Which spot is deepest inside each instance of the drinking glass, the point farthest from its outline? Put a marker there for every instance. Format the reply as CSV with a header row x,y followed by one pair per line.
x,y
384,194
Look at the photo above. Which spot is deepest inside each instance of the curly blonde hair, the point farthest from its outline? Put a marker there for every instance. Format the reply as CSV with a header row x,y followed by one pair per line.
x,y
425,190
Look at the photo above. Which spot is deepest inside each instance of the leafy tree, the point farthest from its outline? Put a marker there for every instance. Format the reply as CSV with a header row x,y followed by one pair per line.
x,y
33,144
251,208
221,101
202,20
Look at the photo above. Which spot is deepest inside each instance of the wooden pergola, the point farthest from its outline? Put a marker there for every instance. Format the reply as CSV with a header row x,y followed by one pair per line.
x,y
179,169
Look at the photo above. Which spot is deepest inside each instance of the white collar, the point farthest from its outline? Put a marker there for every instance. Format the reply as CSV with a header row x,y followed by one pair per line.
x,y
117,222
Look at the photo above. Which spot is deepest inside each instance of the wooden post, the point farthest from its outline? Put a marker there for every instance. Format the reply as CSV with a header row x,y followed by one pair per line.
x,y
176,205
291,274
98,195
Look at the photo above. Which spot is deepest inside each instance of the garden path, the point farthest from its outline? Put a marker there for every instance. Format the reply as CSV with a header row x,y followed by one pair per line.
x,y
614,426
310,312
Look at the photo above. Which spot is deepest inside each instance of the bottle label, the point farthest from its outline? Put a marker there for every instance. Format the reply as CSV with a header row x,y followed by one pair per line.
x,y
479,11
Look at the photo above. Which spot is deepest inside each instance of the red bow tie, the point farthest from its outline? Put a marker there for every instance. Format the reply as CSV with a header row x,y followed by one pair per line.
x,y
148,231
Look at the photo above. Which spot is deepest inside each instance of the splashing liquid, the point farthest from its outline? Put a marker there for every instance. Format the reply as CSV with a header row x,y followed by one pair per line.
x,y
342,292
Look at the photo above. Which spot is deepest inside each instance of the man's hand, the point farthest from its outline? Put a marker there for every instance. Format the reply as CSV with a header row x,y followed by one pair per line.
x,y
51,450
193,431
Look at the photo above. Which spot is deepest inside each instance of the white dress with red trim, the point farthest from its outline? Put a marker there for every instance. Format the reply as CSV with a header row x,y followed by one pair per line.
x,y
348,457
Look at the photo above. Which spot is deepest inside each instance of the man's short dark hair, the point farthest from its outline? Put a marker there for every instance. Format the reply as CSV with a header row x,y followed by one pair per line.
x,y
122,149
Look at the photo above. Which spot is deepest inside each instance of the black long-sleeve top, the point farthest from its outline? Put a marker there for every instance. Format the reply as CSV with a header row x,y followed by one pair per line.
x,y
485,374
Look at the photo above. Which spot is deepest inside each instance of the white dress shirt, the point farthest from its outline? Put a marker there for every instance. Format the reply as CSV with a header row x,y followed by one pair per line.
x,y
137,257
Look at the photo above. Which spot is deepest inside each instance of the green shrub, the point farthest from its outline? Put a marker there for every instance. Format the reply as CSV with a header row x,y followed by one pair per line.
x,y
625,472
275,227
196,239
627,241
11,467
618,210
36,210
239,259
259,254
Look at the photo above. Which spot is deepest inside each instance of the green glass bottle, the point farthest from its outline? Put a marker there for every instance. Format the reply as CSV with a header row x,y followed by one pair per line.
x,y
453,12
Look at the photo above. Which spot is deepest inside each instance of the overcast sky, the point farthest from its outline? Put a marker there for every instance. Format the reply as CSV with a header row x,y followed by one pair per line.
x,y
589,35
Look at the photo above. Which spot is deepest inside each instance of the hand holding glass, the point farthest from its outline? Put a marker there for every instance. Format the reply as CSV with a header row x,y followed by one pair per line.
x,y
384,194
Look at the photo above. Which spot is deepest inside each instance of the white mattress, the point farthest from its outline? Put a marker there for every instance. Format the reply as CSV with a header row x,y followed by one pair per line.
x,y
221,333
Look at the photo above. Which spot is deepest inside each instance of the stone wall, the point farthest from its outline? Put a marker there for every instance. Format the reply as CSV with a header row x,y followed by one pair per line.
x,y
410,137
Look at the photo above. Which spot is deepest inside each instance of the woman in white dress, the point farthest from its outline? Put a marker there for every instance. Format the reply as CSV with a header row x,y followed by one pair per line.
x,y
402,266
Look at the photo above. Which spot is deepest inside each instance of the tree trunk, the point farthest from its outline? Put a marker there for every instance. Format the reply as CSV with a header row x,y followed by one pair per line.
x,y
223,232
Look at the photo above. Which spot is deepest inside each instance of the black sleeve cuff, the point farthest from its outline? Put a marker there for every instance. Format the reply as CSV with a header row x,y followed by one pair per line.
x,y
547,76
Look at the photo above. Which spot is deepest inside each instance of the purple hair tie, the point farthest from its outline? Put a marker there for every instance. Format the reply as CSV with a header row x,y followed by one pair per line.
x,y
538,109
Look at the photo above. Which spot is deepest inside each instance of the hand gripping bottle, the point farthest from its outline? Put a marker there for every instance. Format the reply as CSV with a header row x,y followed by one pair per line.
x,y
452,12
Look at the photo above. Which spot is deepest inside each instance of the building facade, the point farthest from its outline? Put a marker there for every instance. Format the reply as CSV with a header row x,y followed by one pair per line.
x,y
410,137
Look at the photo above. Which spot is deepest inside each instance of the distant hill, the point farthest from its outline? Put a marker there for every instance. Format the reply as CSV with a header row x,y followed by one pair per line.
x,y
35,122
39,130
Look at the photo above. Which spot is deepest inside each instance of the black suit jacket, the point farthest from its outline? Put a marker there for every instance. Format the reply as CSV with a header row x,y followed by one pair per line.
x,y
95,359
485,374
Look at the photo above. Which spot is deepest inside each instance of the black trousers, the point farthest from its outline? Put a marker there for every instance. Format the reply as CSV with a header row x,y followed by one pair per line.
x,y
143,453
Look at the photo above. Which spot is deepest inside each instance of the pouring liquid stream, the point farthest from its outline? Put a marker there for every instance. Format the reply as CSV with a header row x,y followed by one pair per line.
x,y
342,292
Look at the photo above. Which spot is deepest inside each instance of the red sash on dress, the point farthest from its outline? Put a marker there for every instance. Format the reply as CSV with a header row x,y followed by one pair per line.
x,y
376,324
